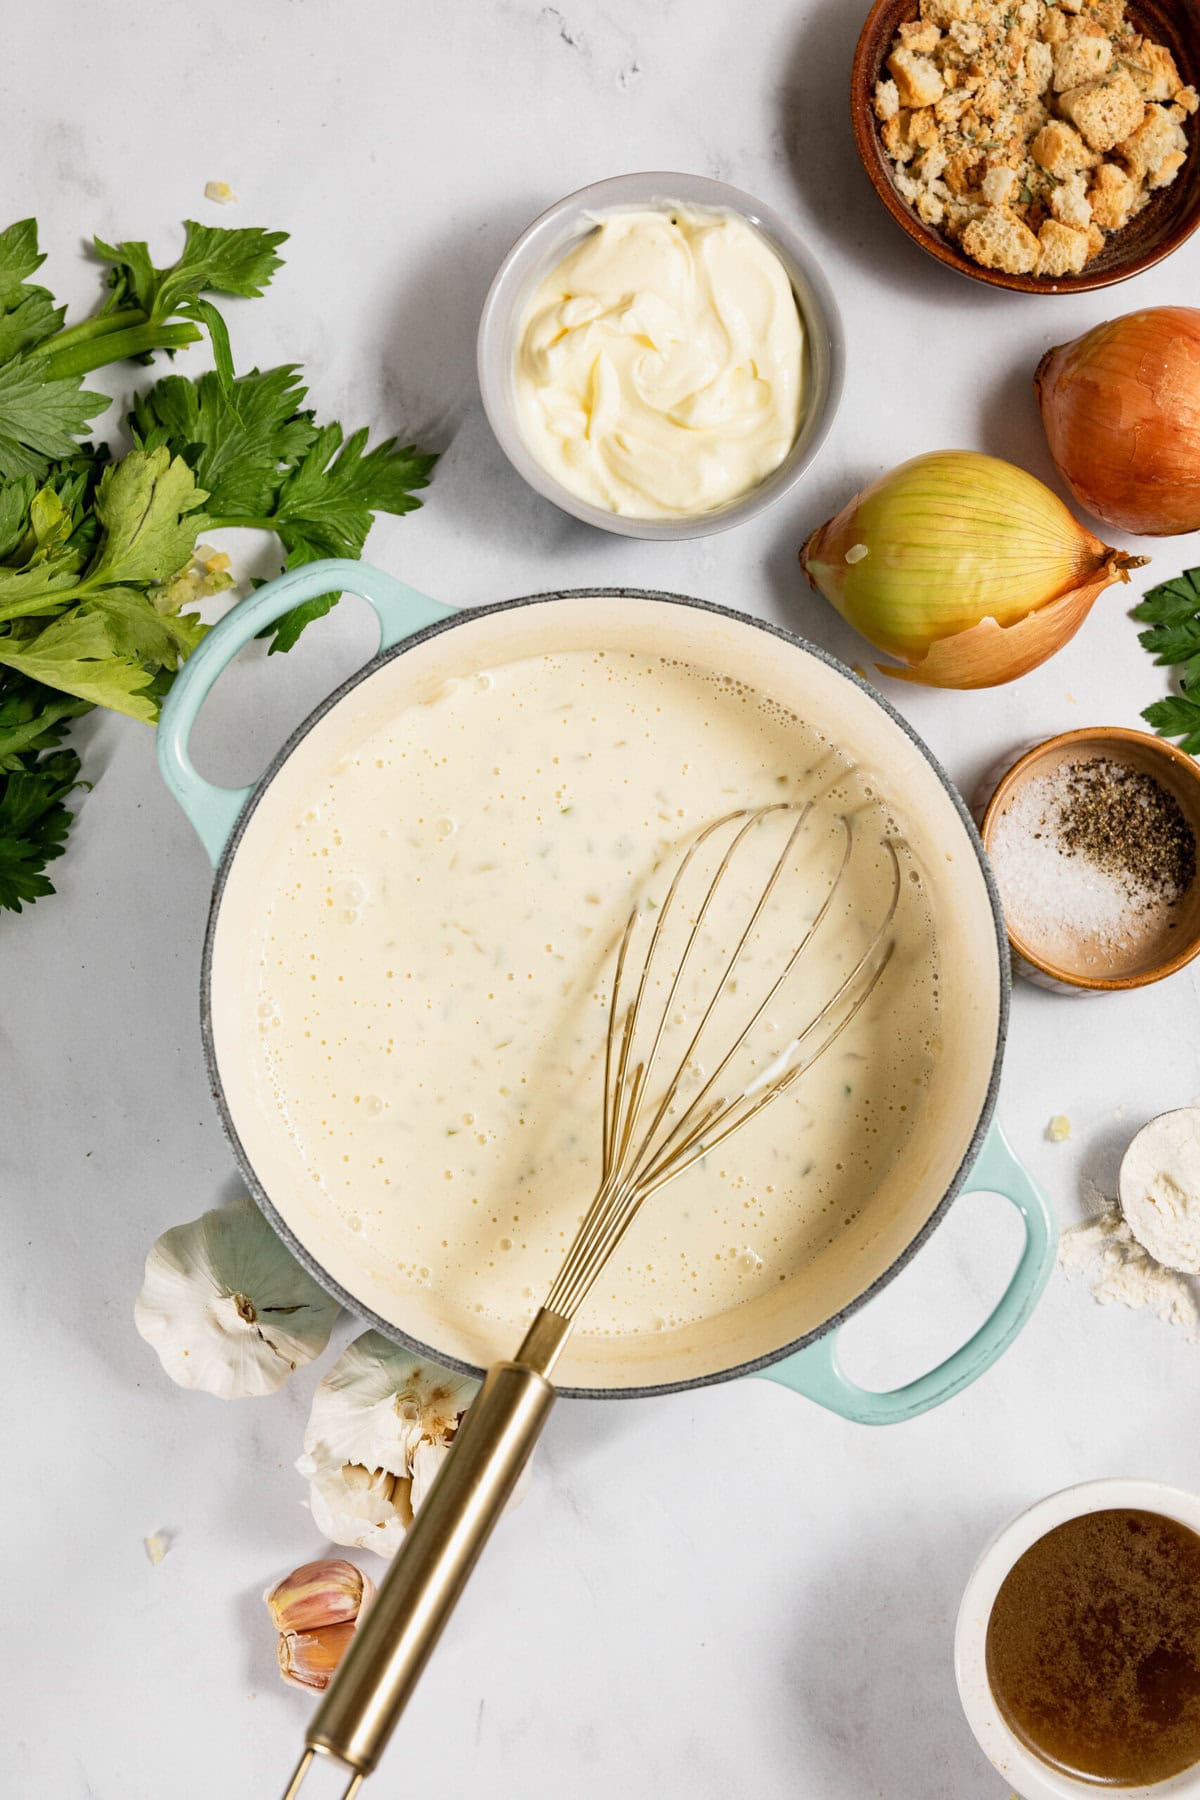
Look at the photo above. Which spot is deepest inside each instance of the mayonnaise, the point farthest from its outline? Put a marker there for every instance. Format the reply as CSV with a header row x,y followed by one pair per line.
x,y
659,369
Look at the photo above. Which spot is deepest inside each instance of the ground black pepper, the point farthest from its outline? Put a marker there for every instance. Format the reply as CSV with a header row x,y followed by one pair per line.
x,y
1126,823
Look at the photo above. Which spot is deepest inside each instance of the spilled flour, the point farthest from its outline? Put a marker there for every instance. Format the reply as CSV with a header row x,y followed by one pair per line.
x,y
1118,1270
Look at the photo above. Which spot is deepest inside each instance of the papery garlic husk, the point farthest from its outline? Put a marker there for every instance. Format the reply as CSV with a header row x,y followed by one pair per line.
x,y
228,1308
309,1659
1121,408
381,1425
331,1591
966,568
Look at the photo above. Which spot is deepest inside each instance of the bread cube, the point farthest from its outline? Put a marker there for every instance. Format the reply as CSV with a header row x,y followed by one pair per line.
x,y
1111,196
919,82
1061,249
921,35
1081,58
1060,150
923,128
1054,28
1153,68
944,12
1039,67
896,140
1167,170
1069,203
1157,137
999,240
1095,238
1104,111
999,185
887,100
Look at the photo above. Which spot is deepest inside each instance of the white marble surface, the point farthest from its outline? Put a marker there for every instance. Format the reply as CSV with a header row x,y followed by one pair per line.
x,y
725,1593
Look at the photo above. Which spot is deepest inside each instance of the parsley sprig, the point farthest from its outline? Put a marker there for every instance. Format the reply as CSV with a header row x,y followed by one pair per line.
x,y
1173,612
97,556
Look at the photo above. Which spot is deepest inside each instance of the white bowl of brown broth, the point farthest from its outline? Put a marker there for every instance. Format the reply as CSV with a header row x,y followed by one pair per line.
x,y
1077,1650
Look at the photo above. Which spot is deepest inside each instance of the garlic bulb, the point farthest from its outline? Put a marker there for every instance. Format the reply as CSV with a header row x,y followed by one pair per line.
x,y
380,1427
228,1308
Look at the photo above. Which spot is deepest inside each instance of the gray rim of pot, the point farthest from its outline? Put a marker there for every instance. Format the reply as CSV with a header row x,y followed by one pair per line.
x,y
304,1256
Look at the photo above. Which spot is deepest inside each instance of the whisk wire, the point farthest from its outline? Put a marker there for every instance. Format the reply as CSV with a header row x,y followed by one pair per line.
x,y
631,1172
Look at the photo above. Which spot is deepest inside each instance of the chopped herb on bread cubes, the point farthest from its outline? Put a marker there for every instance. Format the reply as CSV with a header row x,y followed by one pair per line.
x,y
1027,130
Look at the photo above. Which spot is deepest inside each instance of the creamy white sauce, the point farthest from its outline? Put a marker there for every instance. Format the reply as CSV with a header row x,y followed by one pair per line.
x,y
659,369
434,976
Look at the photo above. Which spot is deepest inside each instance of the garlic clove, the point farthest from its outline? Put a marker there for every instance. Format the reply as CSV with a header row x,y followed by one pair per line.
x,y
382,1421
329,1592
227,1307
308,1659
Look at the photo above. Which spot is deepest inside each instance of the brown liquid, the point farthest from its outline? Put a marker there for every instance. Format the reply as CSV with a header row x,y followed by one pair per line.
x,y
1093,1648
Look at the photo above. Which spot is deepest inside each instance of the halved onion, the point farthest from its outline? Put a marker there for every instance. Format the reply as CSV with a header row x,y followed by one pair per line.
x,y
966,568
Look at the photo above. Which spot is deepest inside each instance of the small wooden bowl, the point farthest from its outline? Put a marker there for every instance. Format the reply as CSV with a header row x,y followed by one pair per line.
x,y
1180,776
1172,215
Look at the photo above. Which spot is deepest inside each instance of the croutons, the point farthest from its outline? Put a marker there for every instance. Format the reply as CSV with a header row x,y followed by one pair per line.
x,y
921,35
896,140
919,83
1039,66
1167,170
1060,150
1061,249
1153,68
1157,137
1104,111
1069,203
1026,130
1081,58
923,129
999,240
887,100
998,185
1111,196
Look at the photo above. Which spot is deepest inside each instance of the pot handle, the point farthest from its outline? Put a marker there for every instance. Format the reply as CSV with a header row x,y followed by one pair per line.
x,y
214,810
816,1372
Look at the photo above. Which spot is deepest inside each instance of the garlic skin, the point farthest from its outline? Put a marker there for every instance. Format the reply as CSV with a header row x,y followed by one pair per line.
x,y
330,1592
381,1425
227,1307
309,1659
316,1610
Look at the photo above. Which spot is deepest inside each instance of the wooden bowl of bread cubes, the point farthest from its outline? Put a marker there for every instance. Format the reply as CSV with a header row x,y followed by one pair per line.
x,y
1051,146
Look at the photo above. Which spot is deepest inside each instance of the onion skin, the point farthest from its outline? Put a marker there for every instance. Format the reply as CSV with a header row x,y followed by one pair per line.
x,y
974,574
1121,408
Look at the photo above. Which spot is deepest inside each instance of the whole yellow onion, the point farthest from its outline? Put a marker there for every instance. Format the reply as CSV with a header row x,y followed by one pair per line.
x,y
1121,407
965,567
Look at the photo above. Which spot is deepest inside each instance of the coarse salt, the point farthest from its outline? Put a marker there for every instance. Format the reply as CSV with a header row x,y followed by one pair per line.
x,y
1053,893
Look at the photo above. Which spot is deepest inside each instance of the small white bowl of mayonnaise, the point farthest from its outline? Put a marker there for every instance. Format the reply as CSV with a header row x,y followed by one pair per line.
x,y
660,356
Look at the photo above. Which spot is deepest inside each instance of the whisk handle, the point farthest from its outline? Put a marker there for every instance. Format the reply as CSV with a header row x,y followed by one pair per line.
x,y
404,1621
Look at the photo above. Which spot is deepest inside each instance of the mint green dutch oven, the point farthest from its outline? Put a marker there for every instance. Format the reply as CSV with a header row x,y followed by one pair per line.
x,y
956,1146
